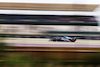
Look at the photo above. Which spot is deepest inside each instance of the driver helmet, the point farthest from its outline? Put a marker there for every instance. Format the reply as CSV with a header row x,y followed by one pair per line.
x,y
65,37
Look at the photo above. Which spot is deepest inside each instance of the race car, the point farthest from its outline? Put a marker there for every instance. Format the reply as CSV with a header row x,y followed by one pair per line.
x,y
64,39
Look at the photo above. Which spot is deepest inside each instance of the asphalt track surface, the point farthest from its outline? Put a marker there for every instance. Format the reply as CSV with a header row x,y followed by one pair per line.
x,y
43,42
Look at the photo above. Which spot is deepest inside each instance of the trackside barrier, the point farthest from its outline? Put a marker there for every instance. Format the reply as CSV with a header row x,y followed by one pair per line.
x,y
43,36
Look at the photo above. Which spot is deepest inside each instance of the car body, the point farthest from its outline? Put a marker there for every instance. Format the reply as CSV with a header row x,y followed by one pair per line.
x,y
63,39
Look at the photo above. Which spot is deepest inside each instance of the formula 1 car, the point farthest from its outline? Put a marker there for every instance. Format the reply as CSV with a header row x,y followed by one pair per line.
x,y
63,39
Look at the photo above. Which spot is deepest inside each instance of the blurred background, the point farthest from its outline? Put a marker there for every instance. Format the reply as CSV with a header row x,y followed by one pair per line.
x,y
27,26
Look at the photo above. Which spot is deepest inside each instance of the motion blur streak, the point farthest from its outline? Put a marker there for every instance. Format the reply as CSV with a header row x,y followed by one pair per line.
x,y
49,40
